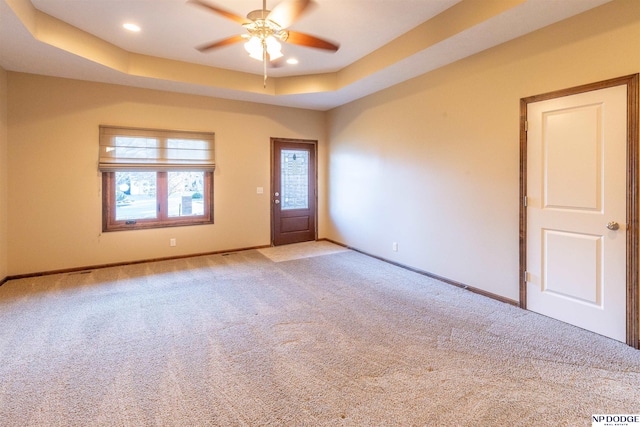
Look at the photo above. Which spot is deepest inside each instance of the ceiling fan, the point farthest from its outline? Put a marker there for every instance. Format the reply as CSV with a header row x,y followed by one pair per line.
x,y
264,29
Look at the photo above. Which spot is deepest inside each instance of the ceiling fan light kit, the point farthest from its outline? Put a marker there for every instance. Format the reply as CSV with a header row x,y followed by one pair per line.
x,y
262,36
265,28
256,48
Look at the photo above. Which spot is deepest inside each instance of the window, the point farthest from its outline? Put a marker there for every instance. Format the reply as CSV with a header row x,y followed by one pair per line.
x,y
155,178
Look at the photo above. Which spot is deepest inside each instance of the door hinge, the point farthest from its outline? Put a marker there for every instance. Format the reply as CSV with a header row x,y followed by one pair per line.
x,y
525,276
526,126
524,201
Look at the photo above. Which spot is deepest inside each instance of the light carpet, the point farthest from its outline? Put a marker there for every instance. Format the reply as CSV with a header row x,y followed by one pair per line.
x,y
333,340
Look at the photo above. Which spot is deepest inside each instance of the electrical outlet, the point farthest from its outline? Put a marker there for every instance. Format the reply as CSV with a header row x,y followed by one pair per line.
x,y
172,242
395,246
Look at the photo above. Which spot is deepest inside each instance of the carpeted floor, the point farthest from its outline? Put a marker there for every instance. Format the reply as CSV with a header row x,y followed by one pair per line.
x,y
329,340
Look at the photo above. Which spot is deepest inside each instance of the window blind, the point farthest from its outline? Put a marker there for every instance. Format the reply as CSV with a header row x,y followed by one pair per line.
x,y
160,150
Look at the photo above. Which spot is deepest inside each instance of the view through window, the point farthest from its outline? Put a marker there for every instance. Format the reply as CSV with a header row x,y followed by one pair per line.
x,y
136,194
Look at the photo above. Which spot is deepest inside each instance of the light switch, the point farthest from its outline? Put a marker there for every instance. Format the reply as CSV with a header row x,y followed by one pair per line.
x,y
259,190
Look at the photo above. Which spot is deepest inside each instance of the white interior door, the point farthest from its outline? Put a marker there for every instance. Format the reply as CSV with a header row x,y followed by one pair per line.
x,y
576,197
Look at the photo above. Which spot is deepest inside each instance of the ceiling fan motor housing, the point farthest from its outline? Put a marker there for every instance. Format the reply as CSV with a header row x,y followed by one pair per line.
x,y
262,27
259,14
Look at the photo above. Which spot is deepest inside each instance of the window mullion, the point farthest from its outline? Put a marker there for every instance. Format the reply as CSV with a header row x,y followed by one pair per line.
x,y
162,197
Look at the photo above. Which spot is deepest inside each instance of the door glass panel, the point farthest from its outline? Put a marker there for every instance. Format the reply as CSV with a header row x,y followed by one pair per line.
x,y
135,195
294,179
186,193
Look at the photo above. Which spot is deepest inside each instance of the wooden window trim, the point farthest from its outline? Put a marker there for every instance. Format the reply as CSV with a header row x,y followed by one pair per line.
x,y
109,222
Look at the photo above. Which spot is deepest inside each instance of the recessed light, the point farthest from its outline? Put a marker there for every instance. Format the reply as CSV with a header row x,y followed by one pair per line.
x,y
131,27
292,61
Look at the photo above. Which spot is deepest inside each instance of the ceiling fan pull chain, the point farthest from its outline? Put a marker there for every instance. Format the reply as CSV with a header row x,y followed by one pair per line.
x,y
264,61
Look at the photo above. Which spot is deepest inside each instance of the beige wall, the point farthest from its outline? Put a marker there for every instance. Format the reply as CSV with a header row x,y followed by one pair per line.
x,y
54,185
4,177
433,163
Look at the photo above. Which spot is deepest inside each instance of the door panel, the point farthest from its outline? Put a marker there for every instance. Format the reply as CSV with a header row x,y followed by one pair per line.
x,y
300,223
576,185
293,192
572,266
572,162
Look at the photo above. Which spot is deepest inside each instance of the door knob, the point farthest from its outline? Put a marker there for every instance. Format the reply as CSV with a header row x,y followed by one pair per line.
x,y
612,225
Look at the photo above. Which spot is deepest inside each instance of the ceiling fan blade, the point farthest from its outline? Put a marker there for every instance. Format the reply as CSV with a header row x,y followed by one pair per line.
x,y
303,39
220,43
287,12
240,20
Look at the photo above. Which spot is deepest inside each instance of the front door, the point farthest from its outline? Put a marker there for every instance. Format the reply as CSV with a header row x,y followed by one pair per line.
x,y
576,209
293,191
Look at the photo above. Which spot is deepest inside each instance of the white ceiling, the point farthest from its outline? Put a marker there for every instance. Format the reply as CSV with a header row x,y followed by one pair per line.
x,y
172,28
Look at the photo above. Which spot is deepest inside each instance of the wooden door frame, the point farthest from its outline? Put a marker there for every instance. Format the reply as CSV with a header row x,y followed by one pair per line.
x,y
633,253
314,143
